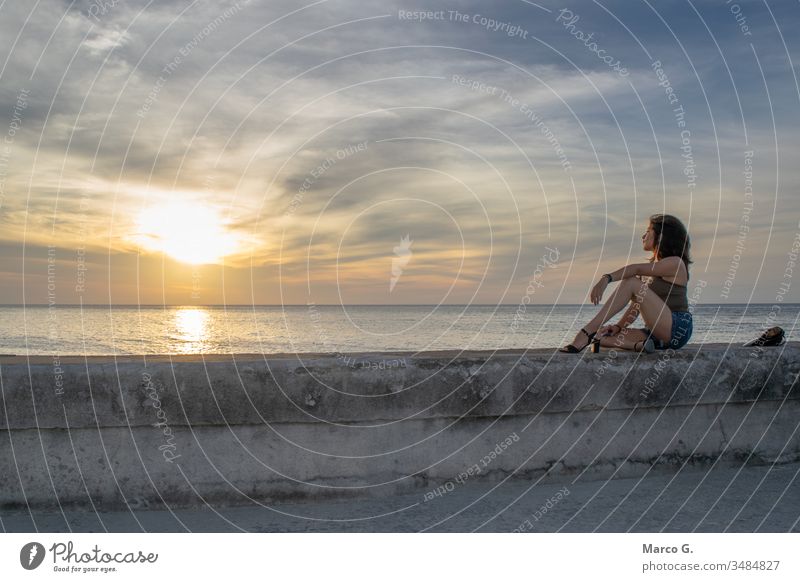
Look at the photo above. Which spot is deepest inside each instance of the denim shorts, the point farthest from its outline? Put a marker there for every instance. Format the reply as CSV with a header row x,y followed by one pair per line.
x,y
681,331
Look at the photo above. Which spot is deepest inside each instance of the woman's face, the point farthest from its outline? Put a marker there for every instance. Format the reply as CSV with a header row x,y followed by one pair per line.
x,y
648,239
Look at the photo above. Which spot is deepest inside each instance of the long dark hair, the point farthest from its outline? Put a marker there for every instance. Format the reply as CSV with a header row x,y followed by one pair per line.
x,y
671,238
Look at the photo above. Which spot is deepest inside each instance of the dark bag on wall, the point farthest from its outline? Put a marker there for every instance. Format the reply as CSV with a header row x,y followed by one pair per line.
x,y
772,337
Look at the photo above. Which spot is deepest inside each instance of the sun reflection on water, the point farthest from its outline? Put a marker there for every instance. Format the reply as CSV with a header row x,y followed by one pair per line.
x,y
191,326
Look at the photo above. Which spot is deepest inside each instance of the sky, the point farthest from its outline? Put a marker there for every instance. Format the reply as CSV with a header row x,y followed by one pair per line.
x,y
334,152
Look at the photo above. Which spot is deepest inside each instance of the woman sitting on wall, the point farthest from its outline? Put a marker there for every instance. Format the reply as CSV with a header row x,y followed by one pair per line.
x,y
656,289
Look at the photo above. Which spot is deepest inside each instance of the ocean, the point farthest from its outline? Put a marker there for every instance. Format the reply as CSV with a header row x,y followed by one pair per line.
x,y
104,330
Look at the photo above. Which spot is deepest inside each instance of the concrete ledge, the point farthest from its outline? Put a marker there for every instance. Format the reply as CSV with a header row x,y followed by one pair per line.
x,y
233,429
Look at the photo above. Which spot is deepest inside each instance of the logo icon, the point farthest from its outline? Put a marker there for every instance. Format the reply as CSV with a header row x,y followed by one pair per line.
x,y
403,255
31,555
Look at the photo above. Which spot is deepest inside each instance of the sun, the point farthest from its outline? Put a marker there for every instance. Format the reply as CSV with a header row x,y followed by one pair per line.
x,y
190,233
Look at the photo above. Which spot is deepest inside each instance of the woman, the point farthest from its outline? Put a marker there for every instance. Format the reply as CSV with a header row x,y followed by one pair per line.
x,y
661,300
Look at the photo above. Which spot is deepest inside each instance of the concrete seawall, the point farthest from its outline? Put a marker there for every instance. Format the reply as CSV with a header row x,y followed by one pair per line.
x,y
106,433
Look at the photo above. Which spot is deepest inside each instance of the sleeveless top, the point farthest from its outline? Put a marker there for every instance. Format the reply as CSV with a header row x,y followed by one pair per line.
x,y
672,294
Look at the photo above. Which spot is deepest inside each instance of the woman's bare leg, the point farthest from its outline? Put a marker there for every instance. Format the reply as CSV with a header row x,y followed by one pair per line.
x,y
656,315
619,298
624,340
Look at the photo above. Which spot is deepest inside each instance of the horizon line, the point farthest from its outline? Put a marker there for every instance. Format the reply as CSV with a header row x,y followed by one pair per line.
x,y
166,305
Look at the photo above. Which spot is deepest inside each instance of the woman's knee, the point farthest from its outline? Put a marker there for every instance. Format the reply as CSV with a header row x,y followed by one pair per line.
x,y
633,288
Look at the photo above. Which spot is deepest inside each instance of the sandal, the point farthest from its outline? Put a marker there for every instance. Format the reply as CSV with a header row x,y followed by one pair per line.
x,y
570,349
648,346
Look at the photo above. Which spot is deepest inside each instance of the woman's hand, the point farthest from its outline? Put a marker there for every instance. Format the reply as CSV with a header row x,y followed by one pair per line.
x,y
611,329
597,291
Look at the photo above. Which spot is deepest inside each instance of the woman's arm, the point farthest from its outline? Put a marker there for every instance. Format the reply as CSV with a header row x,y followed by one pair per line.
x,y
667,267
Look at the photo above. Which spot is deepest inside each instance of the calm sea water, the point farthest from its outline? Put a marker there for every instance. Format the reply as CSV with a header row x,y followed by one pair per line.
x,y
98,330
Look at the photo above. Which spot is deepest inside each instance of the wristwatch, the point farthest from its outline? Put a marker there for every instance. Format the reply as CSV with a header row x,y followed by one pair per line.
x,y
610,278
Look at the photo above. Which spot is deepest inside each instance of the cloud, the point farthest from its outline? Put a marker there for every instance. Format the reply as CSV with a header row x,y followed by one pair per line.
x,y
240,106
